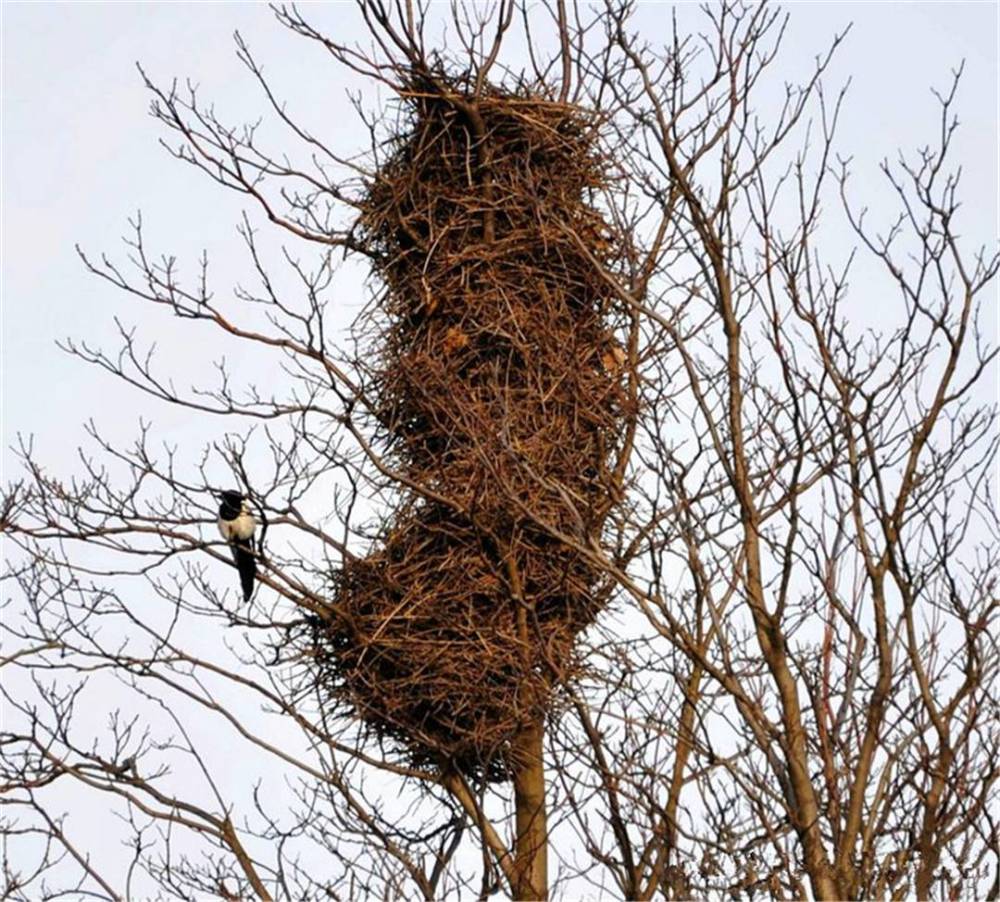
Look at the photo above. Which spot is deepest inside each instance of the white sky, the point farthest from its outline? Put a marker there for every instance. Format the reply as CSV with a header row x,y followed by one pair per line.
x,y
80,155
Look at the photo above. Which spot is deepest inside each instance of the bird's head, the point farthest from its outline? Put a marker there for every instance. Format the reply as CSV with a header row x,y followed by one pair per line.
x,y
231,498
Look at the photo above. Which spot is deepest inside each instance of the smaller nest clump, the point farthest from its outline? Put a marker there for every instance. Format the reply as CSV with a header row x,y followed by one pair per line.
x,y
502,387
437,656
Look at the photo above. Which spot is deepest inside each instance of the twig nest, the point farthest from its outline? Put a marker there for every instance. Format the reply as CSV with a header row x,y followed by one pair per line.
x,y
503,392
437,655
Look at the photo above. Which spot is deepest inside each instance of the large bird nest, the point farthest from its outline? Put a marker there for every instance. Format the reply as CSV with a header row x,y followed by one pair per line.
x,y
502,395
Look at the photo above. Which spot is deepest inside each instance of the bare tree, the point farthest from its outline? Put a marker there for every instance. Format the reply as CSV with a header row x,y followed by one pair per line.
x,y
794,691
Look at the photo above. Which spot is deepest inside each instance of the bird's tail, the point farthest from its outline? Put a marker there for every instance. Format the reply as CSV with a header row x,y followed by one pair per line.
x,y
246,564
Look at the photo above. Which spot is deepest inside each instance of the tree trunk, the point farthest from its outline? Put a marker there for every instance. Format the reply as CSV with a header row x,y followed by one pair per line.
x,y
531,838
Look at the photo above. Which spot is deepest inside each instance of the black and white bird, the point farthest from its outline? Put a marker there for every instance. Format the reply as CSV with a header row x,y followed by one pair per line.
x,y
238,526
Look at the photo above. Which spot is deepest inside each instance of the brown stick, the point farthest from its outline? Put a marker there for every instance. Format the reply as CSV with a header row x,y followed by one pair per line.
x,y
531,837
246,863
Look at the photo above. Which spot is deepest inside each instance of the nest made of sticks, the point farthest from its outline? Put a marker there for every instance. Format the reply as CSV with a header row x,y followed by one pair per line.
x,y
437,657
502,394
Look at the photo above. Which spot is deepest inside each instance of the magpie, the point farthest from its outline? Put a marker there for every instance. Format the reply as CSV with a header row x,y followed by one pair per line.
x,y
237,526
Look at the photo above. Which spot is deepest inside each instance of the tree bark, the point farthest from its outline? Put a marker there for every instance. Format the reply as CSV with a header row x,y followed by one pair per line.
x,y
531,829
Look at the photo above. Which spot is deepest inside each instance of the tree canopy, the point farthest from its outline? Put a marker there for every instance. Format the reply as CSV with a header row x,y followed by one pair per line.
x,y
611,548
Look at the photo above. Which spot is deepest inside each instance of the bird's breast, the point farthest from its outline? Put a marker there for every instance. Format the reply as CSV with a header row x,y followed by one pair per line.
x,y
241,527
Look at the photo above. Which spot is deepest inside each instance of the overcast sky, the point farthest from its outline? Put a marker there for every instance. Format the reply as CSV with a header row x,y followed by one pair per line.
x,y
80,156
